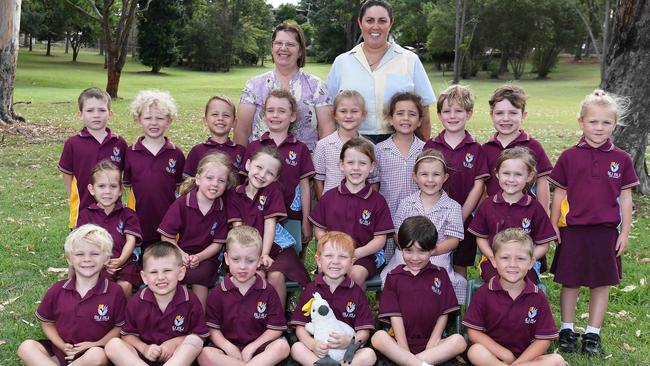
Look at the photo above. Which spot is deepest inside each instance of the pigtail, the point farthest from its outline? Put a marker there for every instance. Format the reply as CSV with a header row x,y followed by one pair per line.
x,y
187,186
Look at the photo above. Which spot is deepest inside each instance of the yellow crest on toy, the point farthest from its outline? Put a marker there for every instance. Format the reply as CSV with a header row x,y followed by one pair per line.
x,y
306,309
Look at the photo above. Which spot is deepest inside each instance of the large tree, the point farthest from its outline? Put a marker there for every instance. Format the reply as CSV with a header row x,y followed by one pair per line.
x,y
627,61
157,34
9,28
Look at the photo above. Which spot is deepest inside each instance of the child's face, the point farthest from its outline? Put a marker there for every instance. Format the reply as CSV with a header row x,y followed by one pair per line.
x,y
95,114
513,175
507,118
430,176
162,275
406,117
453,117
87,259
597,124
107,188
415,257
219,118
242,261
513,262
212,181
334,261
278,114
349,114
154,123
356,166
262,171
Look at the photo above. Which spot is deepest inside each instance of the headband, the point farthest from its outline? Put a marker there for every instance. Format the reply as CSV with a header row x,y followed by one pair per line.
x,y
432,157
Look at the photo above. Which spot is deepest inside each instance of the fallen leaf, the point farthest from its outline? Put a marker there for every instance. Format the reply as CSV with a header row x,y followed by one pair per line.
x,y
622,313
638,333
57,270
642,281
628,288
644,260
10,301
628,348
584,315
2,341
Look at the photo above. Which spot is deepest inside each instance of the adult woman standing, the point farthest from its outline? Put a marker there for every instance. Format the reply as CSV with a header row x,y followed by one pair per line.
x,y
378,69
314,111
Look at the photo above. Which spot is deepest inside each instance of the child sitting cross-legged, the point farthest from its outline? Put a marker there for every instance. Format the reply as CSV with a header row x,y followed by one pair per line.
x,y
249,335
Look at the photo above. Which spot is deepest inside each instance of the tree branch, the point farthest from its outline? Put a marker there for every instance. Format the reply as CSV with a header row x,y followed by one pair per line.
x,y
97,16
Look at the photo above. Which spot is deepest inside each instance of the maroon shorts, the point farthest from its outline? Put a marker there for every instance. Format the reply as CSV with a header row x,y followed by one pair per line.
x,y
587,257
287,262
129,273
206,274
367,262
465,253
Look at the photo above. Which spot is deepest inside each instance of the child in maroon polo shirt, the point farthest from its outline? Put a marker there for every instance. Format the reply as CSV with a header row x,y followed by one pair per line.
x,y
280,111
468,168
219,117
512,207
83,151
121,222
165,322
252,333
80,314
508,111
197,222
355,208
153,164
592,212
334,257
509,319
417,298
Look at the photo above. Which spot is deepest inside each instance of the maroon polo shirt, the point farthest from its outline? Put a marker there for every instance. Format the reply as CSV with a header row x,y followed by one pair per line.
x,y
260,309
86,319
195,230
121,221
466,163
348,302
296,165
266,204
234,151
153,180
183,316
361,215
80,154
513,324
492,149
593,179
419,300
494,215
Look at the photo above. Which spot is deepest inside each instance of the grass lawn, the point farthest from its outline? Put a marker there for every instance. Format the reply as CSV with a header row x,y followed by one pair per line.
x,y
33,207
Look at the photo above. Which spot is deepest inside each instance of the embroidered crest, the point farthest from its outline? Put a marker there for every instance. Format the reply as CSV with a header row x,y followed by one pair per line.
x,y
102,313
171,166
261,310
261,202
365,217
213,228
469,160
117,154
292,159
120,227
237,162
436,286
525,224
614,170
179,320
350,307
532,314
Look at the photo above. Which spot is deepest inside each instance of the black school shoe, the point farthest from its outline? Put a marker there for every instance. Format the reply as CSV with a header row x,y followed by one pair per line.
x,y
568,341
591,344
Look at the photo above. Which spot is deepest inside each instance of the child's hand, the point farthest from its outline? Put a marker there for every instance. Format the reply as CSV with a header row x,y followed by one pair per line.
x,y
167,349
306,231
557,233
247,353
186,259
193,261
621,243
113,265
232,351
266,261
68,349
506,356
321,349
79,347
492,261
152,352
338,340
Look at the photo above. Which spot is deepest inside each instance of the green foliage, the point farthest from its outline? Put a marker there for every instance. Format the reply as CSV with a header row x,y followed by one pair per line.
x,y
157,33
287,12
330,18
409,17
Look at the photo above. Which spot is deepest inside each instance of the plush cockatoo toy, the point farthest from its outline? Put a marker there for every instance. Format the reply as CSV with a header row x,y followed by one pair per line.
x,y
323,322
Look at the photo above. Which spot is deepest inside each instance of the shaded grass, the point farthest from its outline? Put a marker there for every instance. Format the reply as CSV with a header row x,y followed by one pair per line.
x,y
33,205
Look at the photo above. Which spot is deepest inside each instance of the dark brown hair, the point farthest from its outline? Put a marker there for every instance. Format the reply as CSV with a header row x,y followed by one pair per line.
x,y
370,3
300,38
96,93
512,93
417,229
360,144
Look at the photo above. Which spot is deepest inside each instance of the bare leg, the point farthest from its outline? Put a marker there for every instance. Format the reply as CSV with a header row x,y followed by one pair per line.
x,y
387,345
213,356
598,299
359,274
568,301
274,352
480,356
127,288
446,349
277,279
32,353
303,355
94,356
122,354
364,357
546,360
186,352
201,292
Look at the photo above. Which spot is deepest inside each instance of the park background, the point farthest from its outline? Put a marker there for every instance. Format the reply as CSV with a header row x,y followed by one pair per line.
x,y
33,203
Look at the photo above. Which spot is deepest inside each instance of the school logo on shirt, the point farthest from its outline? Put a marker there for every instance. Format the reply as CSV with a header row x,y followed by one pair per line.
x,y
365,217
261,202
102,313
171,166
292,159
350,307
179,320
614,170
436,286
237,162
532,314
117,154
525,224
261,310
213,228
120,227
469,160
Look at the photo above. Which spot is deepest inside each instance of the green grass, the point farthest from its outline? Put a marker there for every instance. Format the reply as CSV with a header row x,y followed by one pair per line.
x,y
33,202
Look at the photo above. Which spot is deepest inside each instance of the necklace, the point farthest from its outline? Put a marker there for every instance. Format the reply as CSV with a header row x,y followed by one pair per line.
x,y
374,54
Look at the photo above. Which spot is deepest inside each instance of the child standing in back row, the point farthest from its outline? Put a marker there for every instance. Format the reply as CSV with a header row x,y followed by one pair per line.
x,y
592,212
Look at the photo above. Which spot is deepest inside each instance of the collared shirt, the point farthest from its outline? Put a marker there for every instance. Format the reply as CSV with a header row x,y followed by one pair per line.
x,y
396,171
80,154
142,171
348,302
121,221
256,311
327,162
514,324
267,203
399,70
234,151
86,319
310,93
593,179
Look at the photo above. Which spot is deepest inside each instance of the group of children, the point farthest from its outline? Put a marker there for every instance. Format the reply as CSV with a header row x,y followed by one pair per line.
x,y
414,207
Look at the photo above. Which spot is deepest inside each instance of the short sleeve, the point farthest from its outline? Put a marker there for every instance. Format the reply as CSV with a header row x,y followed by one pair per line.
x,y
454,227
189,170
197,325
320,97
119,312
214,309
171,223
630,179
449,299
276,319
126,174
320,161
132,309
248,94
482,171
479,225
400,215
233,209
275,202
545,327
559,174
297,316
318,214
364,318
384,224
132,225
475,314
221,232
123,146
66,161
543,231
180,163
422,84
333,79
46,311
544,166
306,164
84,217
388,304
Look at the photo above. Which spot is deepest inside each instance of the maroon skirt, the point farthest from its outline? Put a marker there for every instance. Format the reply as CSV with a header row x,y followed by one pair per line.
x,y
465,253
587,257
287,262
129,273
367,262
206,274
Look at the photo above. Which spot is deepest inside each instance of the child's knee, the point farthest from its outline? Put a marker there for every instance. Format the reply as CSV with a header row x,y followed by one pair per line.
x,y
114,347
208,354
476,352
457,341
29,347
379,338
194,341
281,347
95,356
365,356
276,278
556,360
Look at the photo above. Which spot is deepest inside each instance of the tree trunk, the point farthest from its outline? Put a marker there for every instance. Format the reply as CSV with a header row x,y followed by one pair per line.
x,y
31,42
9,32
459,36
503,62
627,60
606,29
67,43
49,46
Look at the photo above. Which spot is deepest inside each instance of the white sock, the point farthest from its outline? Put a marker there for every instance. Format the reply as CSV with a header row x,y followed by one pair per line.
x,y
567,326
591,329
